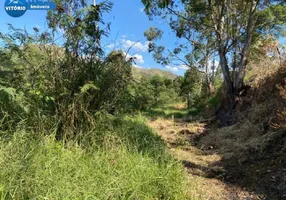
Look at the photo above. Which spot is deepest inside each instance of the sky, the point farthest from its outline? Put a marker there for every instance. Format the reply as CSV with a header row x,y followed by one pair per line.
x,y
128,24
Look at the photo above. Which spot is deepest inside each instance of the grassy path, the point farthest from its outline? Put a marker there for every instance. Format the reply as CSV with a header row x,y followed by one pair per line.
x,y
204,167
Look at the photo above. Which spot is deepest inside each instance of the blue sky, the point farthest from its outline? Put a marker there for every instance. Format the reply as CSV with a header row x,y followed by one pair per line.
x,y
128,23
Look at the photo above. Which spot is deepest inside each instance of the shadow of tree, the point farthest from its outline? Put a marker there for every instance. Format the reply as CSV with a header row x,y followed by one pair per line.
x,y
263,173
168,112
200,170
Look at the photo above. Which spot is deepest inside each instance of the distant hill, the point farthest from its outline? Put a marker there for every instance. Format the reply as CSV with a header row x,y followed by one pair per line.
x,y
138,73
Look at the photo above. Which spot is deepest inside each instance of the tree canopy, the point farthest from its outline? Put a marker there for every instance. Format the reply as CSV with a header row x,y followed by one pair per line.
x,y
216,28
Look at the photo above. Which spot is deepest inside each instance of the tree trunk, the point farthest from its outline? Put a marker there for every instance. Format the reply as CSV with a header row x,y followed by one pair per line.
x,y
208,81
246,47
225,72
219,26
210,88
189,100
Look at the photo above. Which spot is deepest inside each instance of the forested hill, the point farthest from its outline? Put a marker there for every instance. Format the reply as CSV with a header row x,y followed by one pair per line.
x,y
138,73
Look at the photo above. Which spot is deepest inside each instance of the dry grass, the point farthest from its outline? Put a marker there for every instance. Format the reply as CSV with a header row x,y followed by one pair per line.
x,y
237,140
281,114
205,153
260,115
201,167
258,71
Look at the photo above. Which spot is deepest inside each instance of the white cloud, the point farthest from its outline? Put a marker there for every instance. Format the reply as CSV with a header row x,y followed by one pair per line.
x,y
141,9
137,66
184,67
111,46
126,44
138,46
137,58
175,69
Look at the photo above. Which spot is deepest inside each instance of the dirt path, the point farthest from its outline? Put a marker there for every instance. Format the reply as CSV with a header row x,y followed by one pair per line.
x,y
205,172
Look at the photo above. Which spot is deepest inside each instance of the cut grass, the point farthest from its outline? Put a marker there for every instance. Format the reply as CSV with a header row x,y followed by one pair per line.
x,y
120,165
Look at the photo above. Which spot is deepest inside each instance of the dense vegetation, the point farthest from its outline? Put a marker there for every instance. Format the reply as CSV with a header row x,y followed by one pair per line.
x,y
73,118
63,133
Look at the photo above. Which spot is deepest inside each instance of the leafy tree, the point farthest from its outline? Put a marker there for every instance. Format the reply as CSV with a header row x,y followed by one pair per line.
x,y
143,96
232,24
154,91
177,82
116,76
198,58
72,81
191,85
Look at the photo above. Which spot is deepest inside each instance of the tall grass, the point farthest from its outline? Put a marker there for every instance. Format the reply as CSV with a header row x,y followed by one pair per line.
x,y
122,159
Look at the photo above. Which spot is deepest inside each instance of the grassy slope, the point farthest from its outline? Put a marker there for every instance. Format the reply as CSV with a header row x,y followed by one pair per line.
x,y
138,73
122,159
253,149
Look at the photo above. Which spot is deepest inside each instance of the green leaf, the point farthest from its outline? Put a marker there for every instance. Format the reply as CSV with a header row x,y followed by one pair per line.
x,y
88,86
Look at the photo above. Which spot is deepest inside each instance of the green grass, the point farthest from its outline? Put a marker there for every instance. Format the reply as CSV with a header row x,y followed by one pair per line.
x,y
169,111
215,100
121,159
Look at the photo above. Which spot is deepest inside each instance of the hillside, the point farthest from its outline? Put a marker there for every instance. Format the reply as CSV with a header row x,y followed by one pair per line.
x,y
138,73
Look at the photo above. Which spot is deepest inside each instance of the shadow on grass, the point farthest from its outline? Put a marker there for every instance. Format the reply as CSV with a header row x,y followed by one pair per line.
x,y
259,173
128,131
140,138
168,112
33,166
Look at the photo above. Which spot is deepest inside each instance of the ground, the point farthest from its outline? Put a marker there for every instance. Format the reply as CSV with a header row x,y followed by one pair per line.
x,y
215,177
